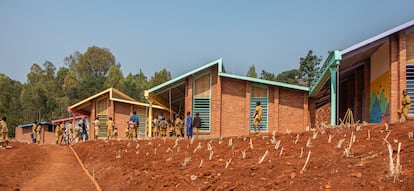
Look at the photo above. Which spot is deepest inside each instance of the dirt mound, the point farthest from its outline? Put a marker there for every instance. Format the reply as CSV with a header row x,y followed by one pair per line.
x,y
165,164
234,163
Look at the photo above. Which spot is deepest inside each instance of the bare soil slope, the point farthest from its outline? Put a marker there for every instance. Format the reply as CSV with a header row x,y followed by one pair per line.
x,y
168,164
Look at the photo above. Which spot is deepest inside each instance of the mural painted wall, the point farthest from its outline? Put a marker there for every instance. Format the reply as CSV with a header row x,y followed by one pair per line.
x,y
379,107
379,111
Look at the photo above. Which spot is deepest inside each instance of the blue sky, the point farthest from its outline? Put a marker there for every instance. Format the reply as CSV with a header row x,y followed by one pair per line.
x,y
183,35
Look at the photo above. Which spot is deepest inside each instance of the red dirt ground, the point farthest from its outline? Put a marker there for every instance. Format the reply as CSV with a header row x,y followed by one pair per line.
x,y
159,165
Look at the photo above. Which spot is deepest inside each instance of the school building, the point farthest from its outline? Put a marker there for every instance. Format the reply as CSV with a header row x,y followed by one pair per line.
x,y
367,77
113,103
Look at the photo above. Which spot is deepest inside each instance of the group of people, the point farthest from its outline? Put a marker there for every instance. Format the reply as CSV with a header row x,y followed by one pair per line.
x,y
68,134
4,133
175,128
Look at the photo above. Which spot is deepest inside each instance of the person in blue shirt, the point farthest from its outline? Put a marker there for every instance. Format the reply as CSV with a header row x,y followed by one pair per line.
x,y
189,125
134,117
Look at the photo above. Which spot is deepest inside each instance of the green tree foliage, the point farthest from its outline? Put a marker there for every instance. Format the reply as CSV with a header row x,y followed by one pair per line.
x,y
290,77
309,67
134,85
252,72
267,75
160,77
10,102
114,77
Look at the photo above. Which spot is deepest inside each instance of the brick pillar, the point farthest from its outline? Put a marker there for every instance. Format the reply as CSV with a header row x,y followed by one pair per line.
x,y
402,63
247,113
306,114
276,109
394,78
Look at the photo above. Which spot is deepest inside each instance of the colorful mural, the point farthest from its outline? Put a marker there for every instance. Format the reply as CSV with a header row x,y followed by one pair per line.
x,y
379,111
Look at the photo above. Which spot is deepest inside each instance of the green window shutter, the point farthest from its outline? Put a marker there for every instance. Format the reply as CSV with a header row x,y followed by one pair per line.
x,y
259,93
202,106
410,84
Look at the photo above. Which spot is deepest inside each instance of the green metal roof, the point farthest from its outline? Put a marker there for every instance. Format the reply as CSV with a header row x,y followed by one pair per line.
x,y
323,75
219,62
268,82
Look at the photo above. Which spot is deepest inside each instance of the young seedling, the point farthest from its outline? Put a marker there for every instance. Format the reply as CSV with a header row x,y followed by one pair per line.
x,y
176,142
301,153
198,147
308,143
391,167
339,145
186,161
315,134
137,147
306,162
211,155
358,128
228,163
201,163
281,152
386,137
164,139
220,140
287,131
243,154
230,142
297,139
251,144
209,147
137,152
410,135
398,167
168,159
277,145
330,139
369,135
191,140
169,150
155,151
263,157
386,126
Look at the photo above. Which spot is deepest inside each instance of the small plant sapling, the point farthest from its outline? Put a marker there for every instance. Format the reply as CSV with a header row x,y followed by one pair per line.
x,y
186,161
211,155
243,154
369,135
230,142
301,152
315,134
329,138
308,143
251,144
281,152
201,163
297,139
410,135
306,162
228,163
339,145
277,145
263,157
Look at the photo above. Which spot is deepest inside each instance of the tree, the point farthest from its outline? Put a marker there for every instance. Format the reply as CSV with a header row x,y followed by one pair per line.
x,y
160,77
10,102
114,77
309,67
94,63
290,77
252,72
267,76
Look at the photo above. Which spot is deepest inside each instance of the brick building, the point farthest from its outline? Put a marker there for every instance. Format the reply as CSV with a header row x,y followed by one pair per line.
x,y
367,77
113,103
24,133
226,102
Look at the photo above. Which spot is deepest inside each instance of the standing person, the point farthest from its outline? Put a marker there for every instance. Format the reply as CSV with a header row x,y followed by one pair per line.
x,y
257,117
178,123
188,125
96,126
197,123
134,117
406,106
131,130
58,133
34,132
110,126
39,132
77,133
70,133
4,133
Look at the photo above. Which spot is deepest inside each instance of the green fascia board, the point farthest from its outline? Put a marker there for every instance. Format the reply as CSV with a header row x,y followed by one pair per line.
x,y
268,82
322,77
218,62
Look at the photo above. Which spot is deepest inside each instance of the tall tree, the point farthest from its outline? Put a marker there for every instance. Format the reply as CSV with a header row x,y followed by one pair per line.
x,y
267,75
114,77
290,77
10,102
94,63
309,67
252,72
160,77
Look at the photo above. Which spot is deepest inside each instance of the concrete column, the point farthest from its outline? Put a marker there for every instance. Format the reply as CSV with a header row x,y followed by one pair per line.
x,y
333,71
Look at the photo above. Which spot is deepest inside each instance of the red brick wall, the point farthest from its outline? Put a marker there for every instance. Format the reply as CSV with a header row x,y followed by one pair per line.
x,y
323,115
24,135
216,117
121,117
234,119
291,110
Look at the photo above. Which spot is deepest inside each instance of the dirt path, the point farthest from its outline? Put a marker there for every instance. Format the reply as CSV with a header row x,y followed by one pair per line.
x,y
59,171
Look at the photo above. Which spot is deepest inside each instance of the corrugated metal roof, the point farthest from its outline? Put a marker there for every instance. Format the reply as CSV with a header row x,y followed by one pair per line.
x,y
31,124
377,37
